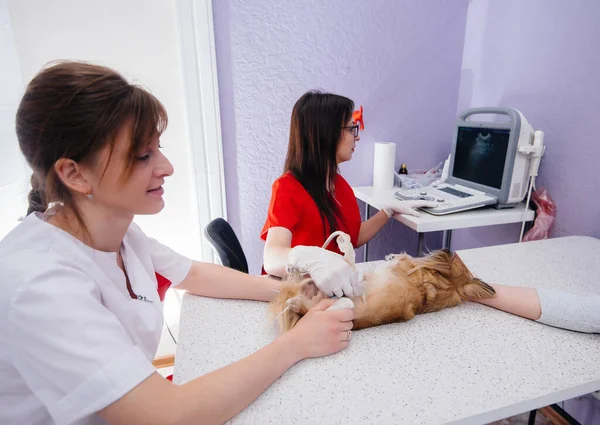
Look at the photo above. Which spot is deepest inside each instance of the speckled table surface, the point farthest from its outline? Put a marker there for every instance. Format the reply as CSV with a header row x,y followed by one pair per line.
x,y
469,365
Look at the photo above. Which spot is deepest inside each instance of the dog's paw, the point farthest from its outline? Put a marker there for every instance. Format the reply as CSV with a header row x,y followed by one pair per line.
x,y
342,304
294,304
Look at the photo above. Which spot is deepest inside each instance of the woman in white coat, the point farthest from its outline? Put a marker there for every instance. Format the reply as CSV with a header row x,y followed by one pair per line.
x,y
81,285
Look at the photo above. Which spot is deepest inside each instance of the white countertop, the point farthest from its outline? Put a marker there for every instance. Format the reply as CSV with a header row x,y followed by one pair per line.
x,y
487,216
469,365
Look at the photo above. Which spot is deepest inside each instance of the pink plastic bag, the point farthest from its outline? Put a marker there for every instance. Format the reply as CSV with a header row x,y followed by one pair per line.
x,y
546,213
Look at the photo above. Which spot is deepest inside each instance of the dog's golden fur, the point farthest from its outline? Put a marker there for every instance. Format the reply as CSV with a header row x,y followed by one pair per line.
x,y
395,292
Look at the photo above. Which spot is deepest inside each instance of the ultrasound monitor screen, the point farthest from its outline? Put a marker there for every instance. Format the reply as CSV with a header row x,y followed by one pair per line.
x,y
480,155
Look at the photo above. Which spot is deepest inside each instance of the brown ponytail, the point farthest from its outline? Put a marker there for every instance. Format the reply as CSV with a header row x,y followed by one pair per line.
x,y
37,196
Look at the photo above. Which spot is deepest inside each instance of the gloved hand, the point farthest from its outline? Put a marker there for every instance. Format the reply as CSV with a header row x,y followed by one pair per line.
x,y
328,270
406,207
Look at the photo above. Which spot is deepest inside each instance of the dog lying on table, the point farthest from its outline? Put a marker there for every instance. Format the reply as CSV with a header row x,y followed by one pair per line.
x,y
396,291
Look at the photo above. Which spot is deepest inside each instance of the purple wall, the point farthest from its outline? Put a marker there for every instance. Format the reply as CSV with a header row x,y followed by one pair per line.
x,y
543,58
401,60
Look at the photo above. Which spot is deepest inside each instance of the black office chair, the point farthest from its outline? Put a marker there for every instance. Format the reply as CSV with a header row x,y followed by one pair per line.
x,y
226,244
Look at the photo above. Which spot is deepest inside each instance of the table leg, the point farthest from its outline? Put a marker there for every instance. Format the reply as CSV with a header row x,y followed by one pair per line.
x,y
366,251
558,416
447,239
420,244
555,414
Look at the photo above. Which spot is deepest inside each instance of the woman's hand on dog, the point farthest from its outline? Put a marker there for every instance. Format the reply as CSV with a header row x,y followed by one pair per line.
x,y
321,333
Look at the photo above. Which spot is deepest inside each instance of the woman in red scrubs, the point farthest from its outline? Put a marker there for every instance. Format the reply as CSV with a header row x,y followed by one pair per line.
x,y
311,199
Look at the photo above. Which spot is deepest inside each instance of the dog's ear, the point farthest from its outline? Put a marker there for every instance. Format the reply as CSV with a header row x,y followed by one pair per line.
x,y
458,268
476,289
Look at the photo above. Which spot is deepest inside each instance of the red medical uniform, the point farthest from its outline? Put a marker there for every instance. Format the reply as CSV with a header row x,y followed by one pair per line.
x,y
293,208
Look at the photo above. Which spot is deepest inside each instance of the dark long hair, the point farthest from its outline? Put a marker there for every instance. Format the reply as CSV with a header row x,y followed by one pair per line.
x,y
72,110
315,133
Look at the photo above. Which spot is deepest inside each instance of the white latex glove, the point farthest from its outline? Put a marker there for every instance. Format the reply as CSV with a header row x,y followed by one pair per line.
x,y
406,207
328,270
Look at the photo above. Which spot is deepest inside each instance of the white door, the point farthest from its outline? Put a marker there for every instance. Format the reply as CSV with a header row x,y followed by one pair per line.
x,y
14,172
166,46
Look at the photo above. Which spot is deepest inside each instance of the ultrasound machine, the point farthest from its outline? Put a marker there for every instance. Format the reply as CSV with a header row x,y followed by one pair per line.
x,y
491,163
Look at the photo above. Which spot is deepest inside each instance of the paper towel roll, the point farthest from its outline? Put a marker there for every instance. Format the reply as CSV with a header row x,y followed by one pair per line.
x,y
384,161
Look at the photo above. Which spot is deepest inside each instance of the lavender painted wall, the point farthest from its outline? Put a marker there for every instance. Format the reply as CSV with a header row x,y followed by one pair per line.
x,y
541,57
400,59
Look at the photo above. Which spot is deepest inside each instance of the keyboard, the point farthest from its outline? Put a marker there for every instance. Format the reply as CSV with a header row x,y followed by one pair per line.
x,y
450,198
455,192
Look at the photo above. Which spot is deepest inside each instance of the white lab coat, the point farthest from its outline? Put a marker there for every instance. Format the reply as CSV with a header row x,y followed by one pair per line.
x,y
72,340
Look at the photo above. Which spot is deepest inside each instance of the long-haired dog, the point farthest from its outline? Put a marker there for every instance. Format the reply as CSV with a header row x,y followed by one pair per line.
x,y
394,292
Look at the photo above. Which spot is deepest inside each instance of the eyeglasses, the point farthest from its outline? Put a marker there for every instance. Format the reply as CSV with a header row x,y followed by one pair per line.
x,y
354,129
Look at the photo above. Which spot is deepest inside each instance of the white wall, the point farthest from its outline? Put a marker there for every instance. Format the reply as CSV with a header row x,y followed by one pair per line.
x,y
142,42
14,172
